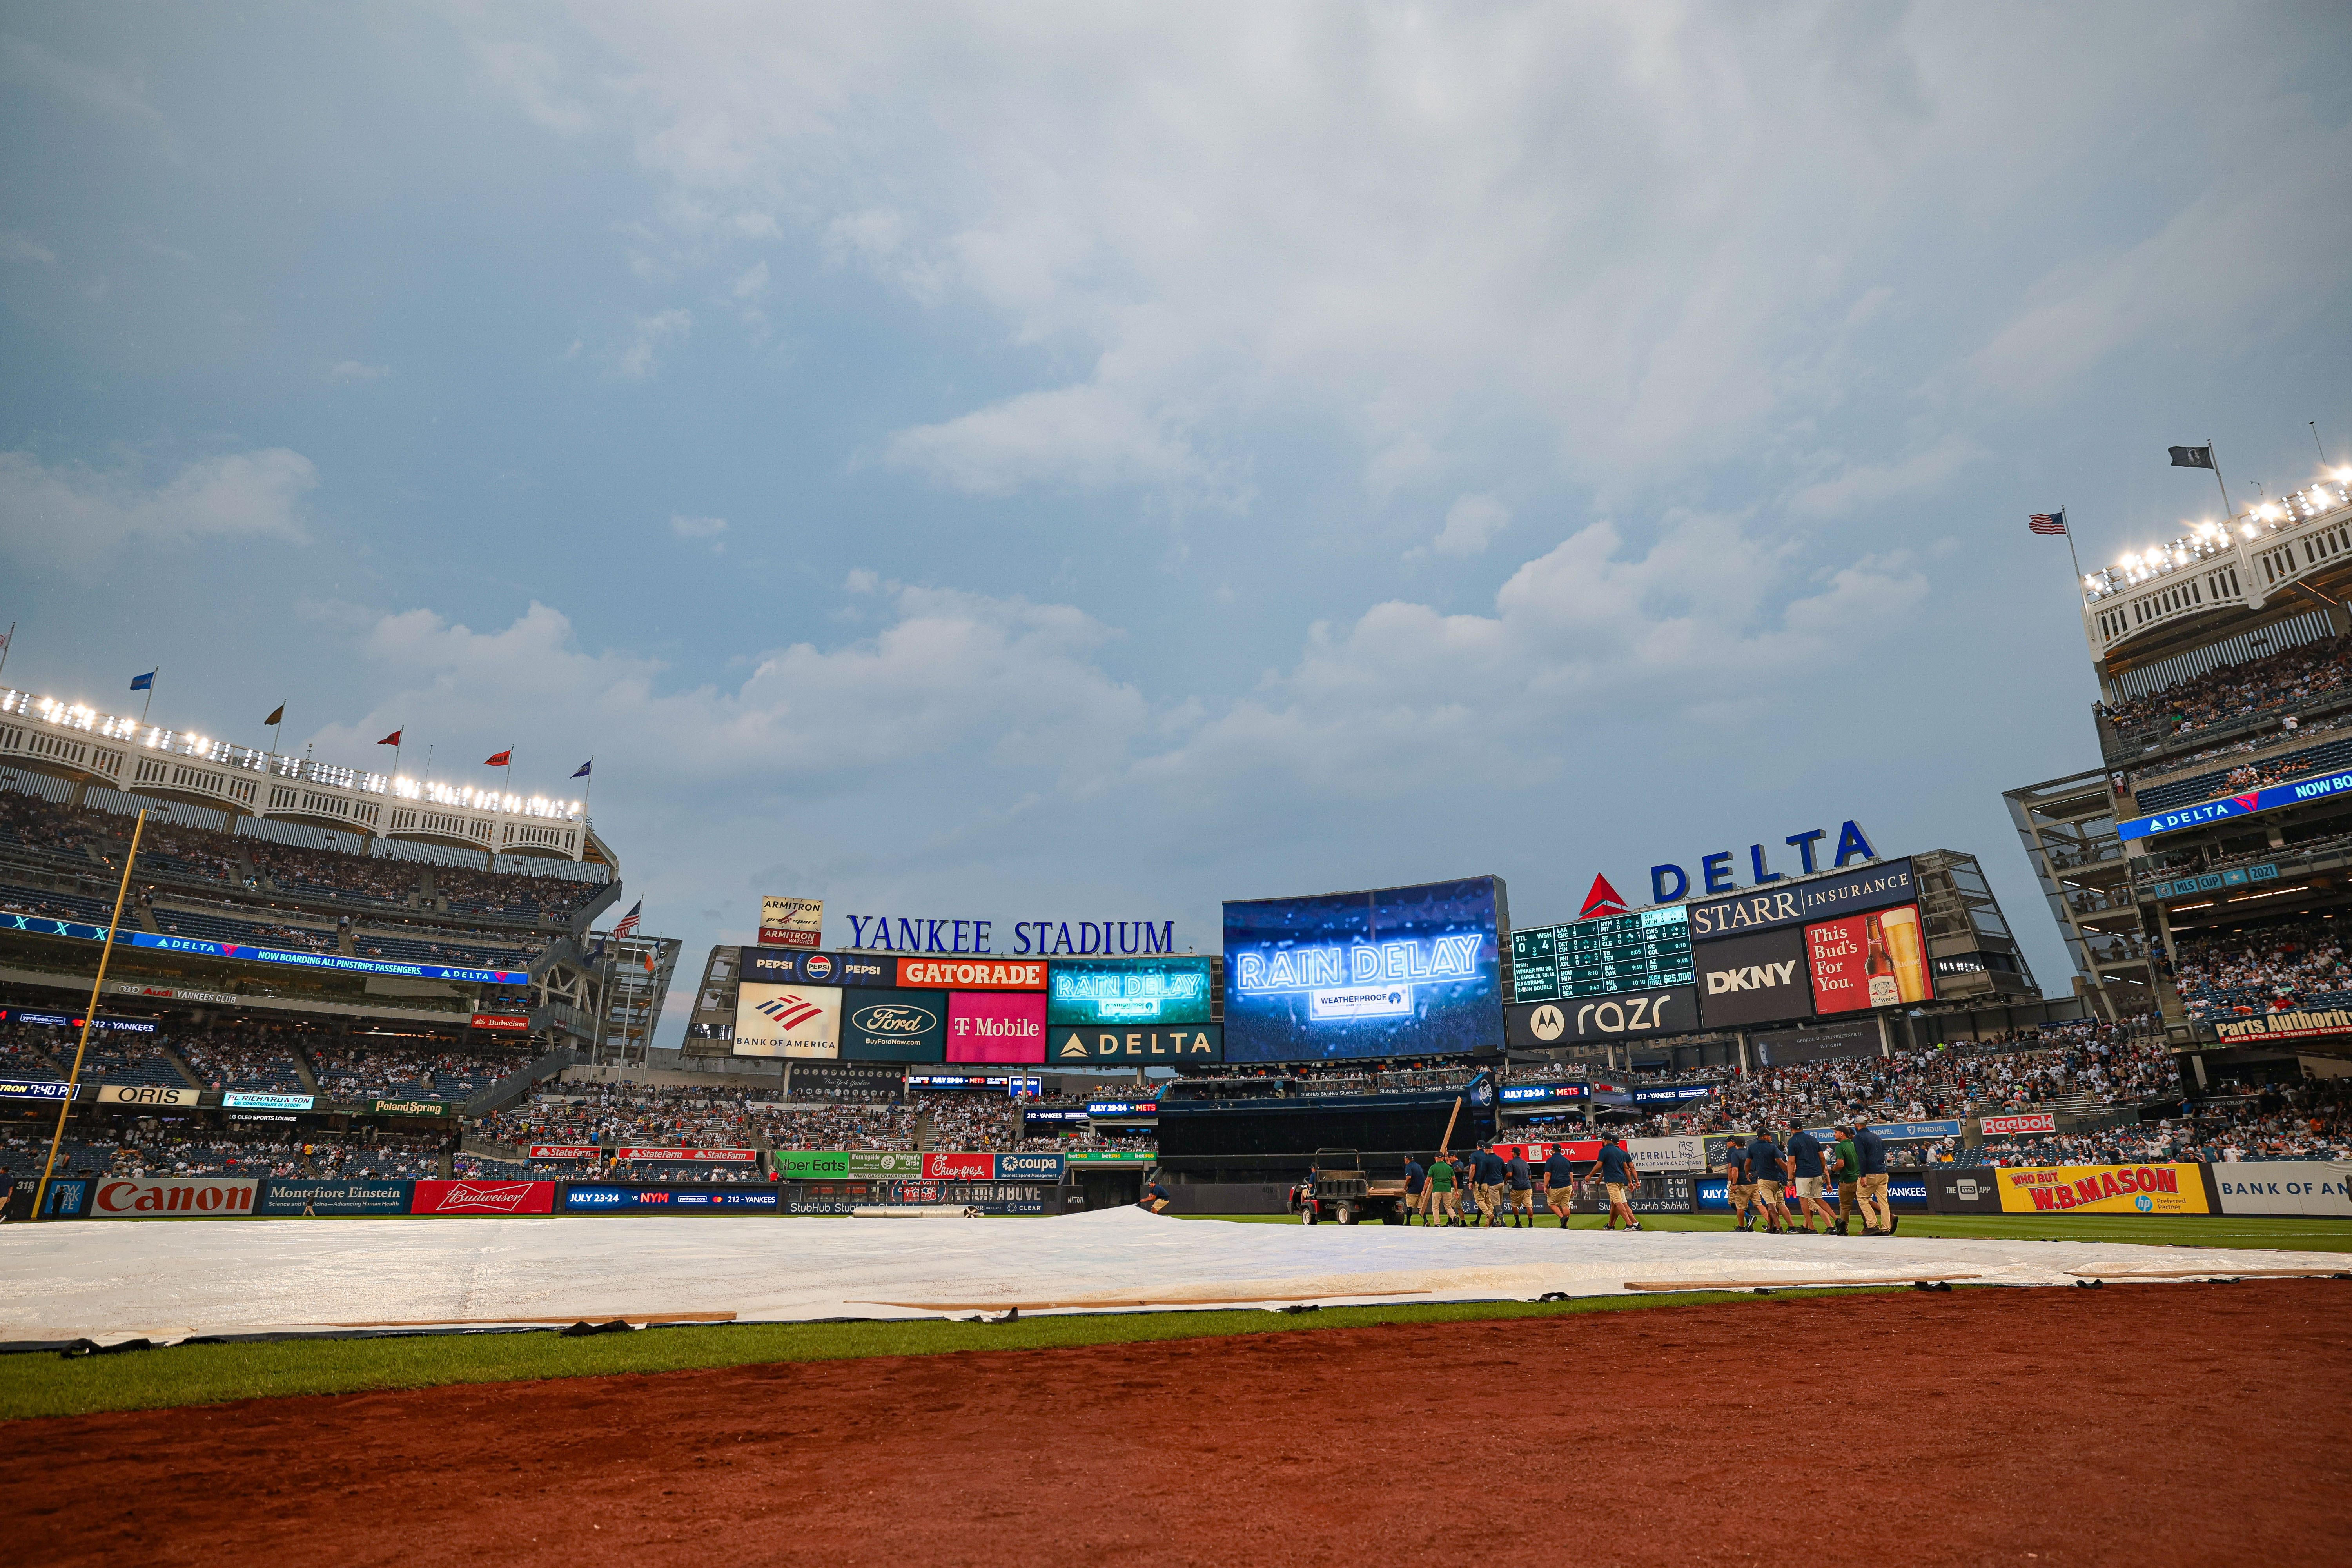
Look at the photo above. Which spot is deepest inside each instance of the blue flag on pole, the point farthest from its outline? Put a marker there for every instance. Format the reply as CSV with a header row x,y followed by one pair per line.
x,y
584,767
143,682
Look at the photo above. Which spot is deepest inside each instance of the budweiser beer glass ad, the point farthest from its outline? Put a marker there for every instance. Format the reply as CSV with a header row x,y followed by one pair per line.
x,y
1877,960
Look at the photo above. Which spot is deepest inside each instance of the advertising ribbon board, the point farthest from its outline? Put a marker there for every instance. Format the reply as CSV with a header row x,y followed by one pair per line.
x,y
33,1088
174,1197
298,1196
2284,1188
2028,1121
1039,1168
695,1156
146,1094
410,1107
483,1197
510,1023
809,1164
1653,1157
1112,1157
565,1151
251,1100
903,1163
2292,1025
2103,1189
1898,1132
579,1199
38,925
939,1167
1907,1193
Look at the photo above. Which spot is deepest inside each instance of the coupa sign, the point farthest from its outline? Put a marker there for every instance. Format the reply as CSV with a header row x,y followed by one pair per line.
x,y
163,1197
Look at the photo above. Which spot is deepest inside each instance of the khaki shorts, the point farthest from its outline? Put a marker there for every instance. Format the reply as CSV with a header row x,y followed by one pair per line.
x,y
1809,1187
1558,1199
1523,1198
1490,1198
1767,1192
1744,1195
1616,1191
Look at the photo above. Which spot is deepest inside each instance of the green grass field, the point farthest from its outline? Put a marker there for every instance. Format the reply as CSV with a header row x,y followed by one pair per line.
x,y
44,1384
2186,1230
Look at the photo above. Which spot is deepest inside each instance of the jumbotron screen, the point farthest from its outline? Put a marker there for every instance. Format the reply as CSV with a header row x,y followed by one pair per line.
x,y
1390,972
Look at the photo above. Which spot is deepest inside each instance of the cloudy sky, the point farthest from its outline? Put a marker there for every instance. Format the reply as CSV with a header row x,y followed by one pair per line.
x,y
1081,460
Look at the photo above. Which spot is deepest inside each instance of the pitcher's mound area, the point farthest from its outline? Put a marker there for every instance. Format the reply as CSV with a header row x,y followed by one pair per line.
x,y
2138,1425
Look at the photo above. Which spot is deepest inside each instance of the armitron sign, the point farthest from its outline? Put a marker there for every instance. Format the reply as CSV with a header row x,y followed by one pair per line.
x,y
165,1197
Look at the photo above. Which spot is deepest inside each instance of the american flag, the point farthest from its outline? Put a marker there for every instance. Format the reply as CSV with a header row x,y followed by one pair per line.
x,y
2047,521
627,924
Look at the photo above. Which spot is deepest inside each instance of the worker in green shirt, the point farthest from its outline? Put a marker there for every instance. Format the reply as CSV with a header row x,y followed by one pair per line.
x,y
1442,1198
1845,1164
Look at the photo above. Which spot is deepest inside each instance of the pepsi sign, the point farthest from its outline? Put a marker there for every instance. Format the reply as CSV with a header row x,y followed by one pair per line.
x,y
790,966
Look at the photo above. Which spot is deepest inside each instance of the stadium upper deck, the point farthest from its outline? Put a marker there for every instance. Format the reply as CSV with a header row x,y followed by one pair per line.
x,y
2196,869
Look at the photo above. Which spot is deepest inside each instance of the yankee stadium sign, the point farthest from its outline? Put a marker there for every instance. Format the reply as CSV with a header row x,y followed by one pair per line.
x,y
1041,939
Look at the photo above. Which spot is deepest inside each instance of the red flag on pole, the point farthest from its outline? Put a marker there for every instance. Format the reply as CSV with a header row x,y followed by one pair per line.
x,y
391,739
502,760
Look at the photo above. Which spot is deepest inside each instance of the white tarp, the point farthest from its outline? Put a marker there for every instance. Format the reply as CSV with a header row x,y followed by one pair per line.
x,y
78,1279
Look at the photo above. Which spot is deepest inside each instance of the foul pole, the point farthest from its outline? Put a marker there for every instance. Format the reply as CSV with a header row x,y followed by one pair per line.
x,y
90,1015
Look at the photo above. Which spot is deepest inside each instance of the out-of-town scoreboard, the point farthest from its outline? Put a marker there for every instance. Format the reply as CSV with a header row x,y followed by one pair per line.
x,y
1641,952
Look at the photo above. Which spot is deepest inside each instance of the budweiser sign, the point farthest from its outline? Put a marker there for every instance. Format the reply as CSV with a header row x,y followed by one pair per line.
x,y
2029,1121
508,1021
483,1197
742,1155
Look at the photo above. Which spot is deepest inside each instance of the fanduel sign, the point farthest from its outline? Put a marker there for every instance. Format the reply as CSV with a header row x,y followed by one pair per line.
x,y
1045,939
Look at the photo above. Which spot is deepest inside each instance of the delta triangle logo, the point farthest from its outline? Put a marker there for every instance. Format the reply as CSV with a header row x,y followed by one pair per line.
x,y
1072,1046
2245,802
1601,900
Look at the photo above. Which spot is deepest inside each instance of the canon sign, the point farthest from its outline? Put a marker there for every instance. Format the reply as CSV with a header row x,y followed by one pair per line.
x,y
159,1197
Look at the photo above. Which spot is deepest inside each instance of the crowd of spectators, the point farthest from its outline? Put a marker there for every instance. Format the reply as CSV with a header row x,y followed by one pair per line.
x,y
2310,1121
298,870
2238,690
252,1057
32,823
184,852
348,1071
510,893
612,1114
2283,966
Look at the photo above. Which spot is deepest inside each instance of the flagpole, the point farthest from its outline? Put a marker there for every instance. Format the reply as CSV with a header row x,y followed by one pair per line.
x,y
89,1017
2070,550
2229,514
2315,446
5,647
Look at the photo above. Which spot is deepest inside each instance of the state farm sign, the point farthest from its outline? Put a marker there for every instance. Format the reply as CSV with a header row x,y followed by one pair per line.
x,y
2030,1122
165,1197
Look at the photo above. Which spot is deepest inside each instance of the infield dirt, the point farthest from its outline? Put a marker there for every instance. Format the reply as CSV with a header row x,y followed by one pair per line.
x,y
2137,1425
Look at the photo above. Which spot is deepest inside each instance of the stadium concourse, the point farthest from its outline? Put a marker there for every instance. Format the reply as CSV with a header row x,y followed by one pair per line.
x,y
108,1282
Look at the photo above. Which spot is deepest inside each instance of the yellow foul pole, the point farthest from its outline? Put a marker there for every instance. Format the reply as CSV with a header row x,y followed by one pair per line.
x,y
90,1015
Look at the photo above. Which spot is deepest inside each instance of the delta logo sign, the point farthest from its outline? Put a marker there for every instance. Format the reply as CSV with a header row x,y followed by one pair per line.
x,y
2235,805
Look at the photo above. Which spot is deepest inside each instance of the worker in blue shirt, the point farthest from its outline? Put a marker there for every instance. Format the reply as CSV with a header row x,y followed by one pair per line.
x,y
1768,1169
1560,1182
1523,1189
1736,1187
1491,1176
1617,1174
1877,1216
1805,1174
1415,1181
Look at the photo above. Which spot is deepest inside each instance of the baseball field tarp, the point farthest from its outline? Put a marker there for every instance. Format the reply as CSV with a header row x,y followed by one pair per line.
x,y
2104,1189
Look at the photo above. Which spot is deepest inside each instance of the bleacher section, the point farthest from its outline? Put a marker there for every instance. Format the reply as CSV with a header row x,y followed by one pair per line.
x,y
2327,758
2284,966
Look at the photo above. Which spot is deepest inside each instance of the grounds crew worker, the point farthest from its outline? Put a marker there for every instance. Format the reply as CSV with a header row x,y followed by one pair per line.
x,y
1766,1169
1523,1189
1560,1182
1491,1176
1416,1180
1444,1203
1157,1196
1736,1186
1805,1170
1847,1160
1617,1174
1873,1149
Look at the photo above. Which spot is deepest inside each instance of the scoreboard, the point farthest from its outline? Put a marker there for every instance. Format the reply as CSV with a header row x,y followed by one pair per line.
x,y
1642,952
